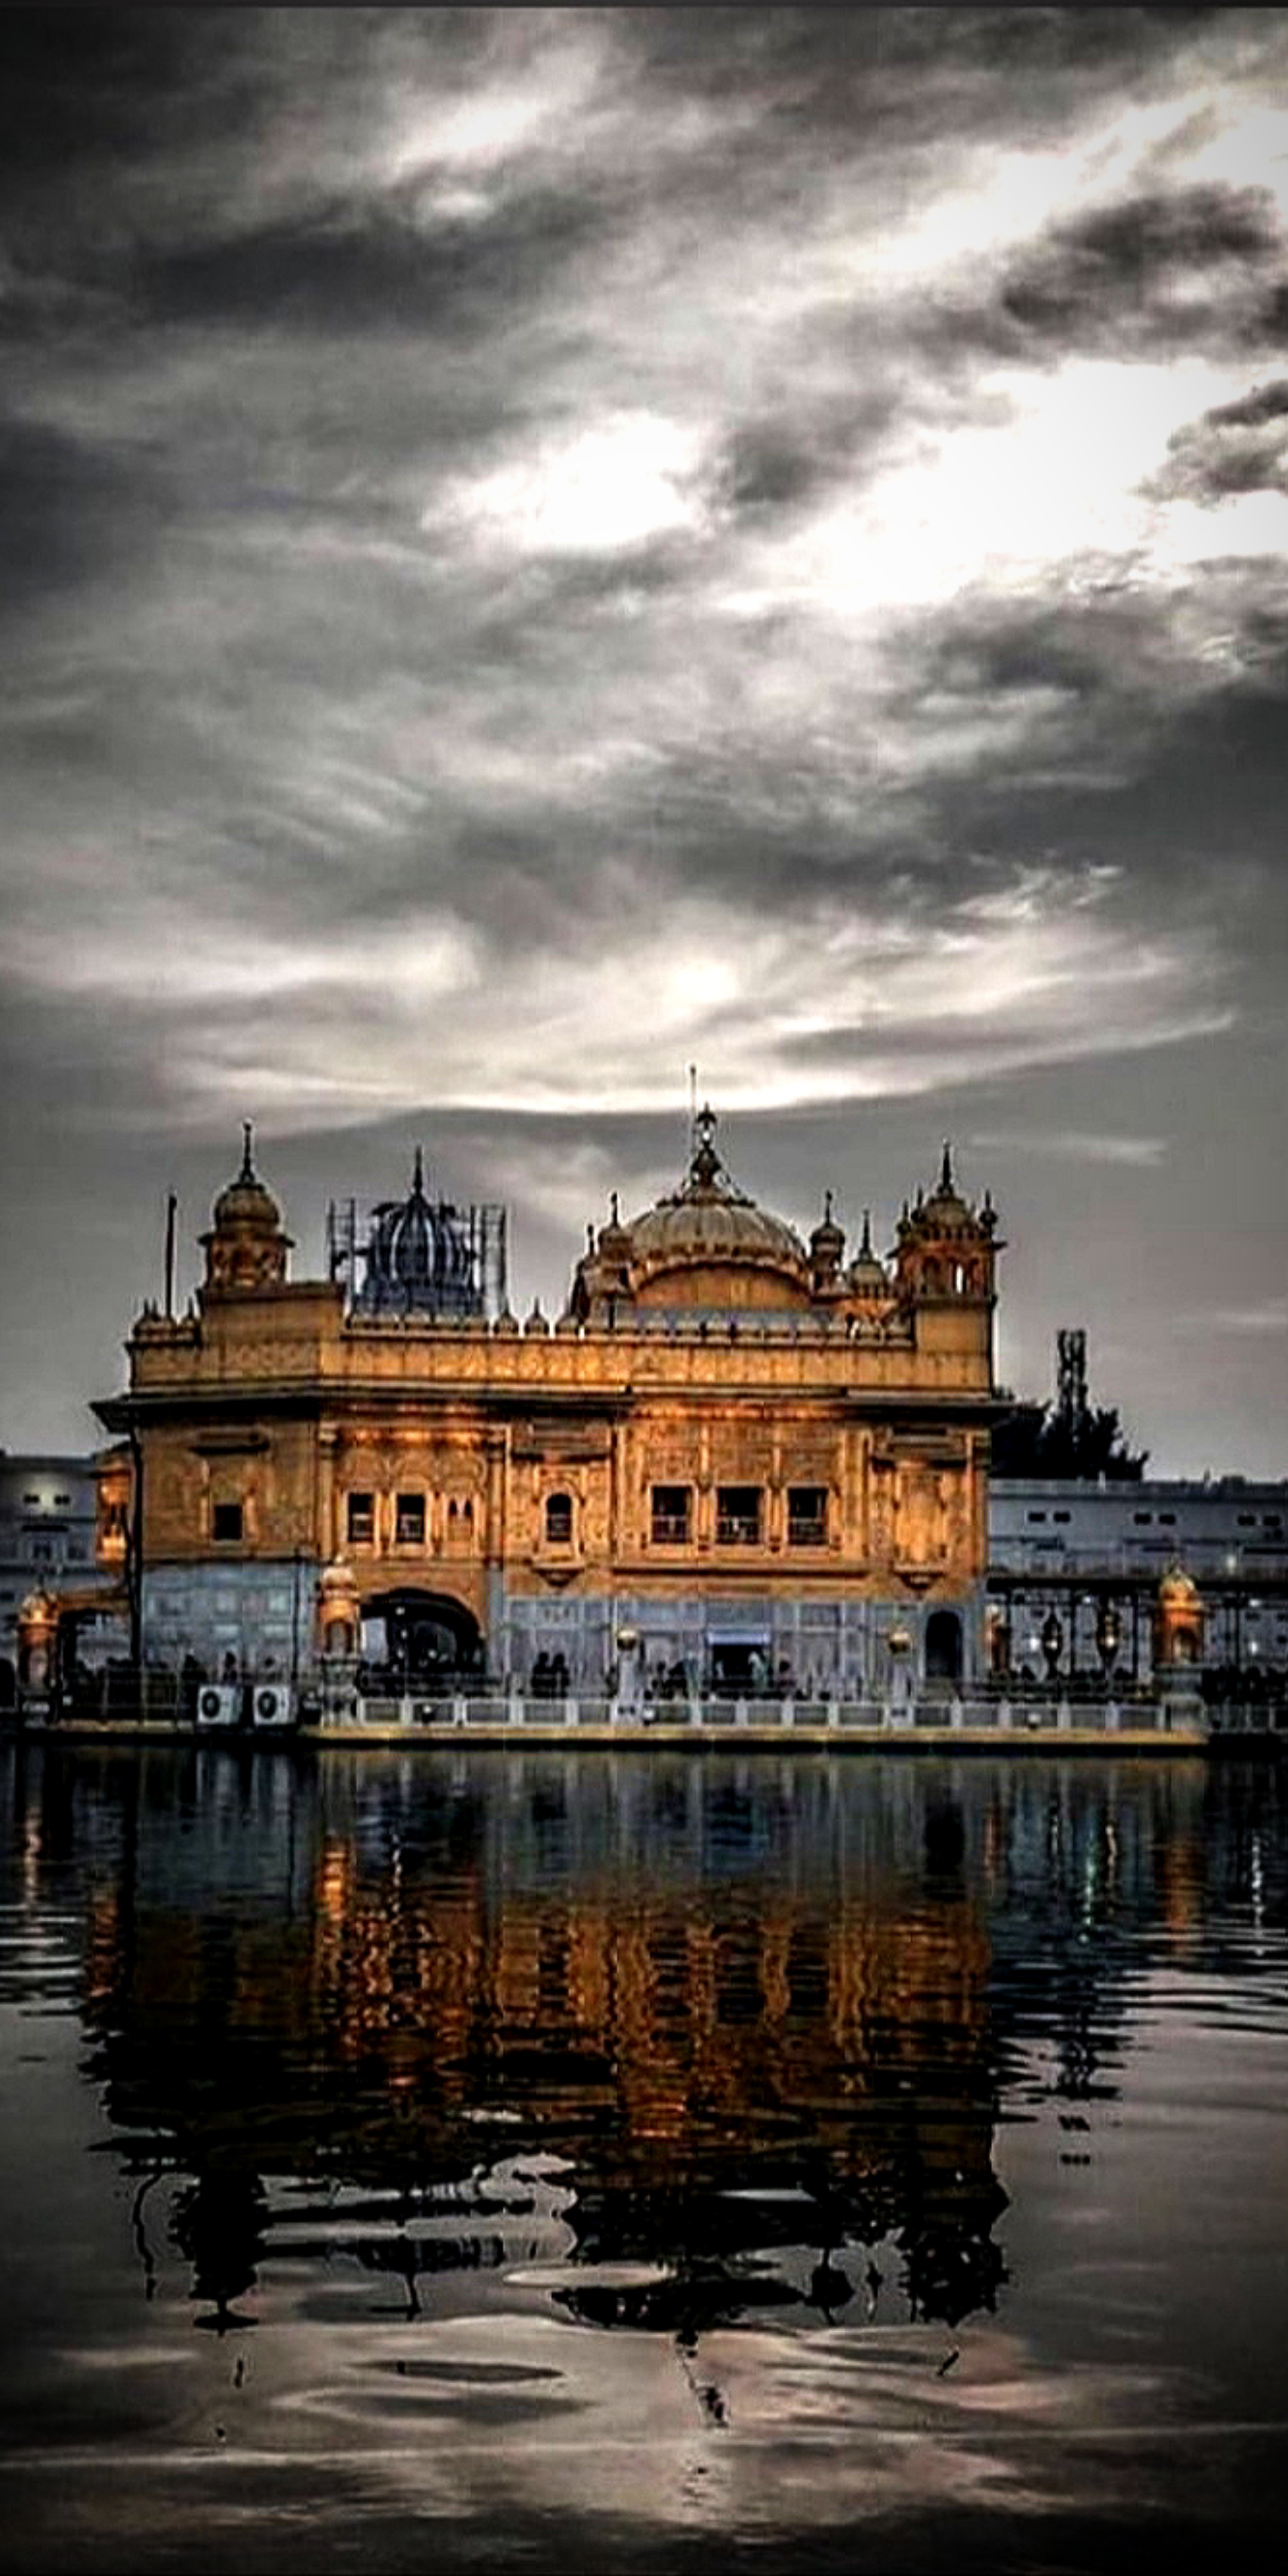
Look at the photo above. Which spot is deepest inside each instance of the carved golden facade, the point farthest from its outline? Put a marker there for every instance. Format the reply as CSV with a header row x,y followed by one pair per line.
x,y
759,1461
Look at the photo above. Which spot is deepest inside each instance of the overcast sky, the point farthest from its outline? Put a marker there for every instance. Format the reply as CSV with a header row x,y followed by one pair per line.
x,y
540,548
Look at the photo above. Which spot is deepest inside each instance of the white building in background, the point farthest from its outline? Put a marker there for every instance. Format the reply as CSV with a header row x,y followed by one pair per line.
x,y
1068,1552
47,1508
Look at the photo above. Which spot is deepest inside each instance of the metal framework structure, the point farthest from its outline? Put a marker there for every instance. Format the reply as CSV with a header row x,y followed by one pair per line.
x,y
418,1256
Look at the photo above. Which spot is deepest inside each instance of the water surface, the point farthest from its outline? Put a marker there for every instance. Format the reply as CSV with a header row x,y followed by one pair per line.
x,y
549,2161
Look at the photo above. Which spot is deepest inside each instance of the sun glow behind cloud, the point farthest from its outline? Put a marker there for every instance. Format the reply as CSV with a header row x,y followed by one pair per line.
x,y
834,1004
588,490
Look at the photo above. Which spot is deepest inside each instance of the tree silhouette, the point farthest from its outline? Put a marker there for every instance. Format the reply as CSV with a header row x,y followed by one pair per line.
x,y
1040,1440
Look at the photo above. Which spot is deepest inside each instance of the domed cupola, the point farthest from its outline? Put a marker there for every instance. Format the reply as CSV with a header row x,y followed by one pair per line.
x,y
945,1211
418,1258
946,1248
826,1247
245,1247
613,1245
867,1276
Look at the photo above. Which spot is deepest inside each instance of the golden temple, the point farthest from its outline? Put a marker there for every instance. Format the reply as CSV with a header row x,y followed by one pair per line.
x,y
737,1460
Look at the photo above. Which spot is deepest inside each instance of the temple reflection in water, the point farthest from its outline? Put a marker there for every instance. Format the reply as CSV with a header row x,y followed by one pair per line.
x,y
712,2037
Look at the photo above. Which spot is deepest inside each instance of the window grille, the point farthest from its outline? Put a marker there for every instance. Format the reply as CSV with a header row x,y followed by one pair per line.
x,y
807,1515
670,1515
738,1515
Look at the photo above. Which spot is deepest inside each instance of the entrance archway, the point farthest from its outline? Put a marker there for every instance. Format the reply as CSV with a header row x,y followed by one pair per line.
x,y
943,1646
423,1639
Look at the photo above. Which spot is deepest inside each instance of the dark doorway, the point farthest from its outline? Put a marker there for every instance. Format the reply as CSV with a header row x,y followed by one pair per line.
x,y
739,1666
943,1646
431,1641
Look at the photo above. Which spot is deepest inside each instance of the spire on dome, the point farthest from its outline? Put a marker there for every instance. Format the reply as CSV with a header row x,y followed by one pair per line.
x,y
827,1243
245,1246
947,1185
868,1273
705,1165
418,1174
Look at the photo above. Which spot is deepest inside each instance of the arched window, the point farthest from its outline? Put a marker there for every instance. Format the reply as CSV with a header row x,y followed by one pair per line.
x,y
559,1520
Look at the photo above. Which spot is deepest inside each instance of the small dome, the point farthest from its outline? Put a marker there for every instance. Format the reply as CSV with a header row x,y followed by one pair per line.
x,y
614,1243
867,1276
1178,1589
945,1208
246,1201
418,1258
827,1242
245,1246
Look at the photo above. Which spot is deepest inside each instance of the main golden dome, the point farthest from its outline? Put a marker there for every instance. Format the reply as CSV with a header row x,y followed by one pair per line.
x,y
709,1218
704,1245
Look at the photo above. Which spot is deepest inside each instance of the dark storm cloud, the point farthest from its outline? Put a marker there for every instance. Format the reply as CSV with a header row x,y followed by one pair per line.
x,y
69,511
1113,277
348,269
907,72
1236,447
87,84
1146,277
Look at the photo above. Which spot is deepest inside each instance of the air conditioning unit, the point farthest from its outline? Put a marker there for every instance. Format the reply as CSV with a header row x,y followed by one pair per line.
x,y
270,1704
219,1704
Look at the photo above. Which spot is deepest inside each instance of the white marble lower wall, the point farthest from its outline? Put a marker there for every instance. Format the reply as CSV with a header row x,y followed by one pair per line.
x,y
836,1646
263,1614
